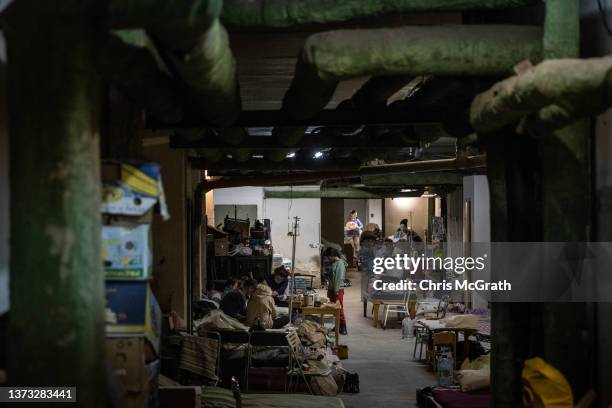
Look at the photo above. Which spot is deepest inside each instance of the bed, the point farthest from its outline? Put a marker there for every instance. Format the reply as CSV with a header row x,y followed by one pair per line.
x,y
224,397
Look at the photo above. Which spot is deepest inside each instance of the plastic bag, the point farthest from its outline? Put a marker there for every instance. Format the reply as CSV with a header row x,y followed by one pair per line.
x,y
545,386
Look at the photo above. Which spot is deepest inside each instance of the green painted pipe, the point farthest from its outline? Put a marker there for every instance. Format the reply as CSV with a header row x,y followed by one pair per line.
x,y
56,332
195,46
207,69
555,92
128,64
289,13
463,50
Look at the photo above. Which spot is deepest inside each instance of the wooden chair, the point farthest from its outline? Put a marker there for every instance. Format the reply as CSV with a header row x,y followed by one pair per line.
x,y
440,339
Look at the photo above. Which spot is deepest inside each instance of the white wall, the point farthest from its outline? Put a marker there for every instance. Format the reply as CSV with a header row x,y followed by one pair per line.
x,y
398,208
240,196
476,190
374,212
281,211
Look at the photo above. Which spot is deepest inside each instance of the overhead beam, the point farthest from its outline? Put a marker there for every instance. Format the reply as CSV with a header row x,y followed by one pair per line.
x,y
414,179
334,193
328,117
226,166
296,179
312,141
289,13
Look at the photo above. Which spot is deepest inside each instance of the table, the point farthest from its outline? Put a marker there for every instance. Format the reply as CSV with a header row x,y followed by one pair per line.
x,y
333,310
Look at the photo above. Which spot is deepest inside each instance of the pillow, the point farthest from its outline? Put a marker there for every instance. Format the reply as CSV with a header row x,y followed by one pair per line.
x,y
471,380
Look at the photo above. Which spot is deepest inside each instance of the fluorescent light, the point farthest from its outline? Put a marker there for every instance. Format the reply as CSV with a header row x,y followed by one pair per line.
x,y
258,156
408,190
318,155
428,195
290,155
229,156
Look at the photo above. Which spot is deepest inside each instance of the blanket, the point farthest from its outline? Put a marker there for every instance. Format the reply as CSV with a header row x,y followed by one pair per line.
x,y
222,396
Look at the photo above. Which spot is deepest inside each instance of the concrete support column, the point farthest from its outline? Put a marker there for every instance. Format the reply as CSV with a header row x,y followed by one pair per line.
x,y
57,286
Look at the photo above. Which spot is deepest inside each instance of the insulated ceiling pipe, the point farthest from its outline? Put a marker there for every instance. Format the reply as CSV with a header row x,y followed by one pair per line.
x,y
555,92
289,13
195,46
134,71
462,50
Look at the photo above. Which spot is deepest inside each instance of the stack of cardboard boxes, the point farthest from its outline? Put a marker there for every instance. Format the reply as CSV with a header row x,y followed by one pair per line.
x,y
133,316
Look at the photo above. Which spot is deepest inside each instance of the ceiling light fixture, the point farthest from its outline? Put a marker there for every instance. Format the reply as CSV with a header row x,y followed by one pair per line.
x,y
290,155
318,155
408,190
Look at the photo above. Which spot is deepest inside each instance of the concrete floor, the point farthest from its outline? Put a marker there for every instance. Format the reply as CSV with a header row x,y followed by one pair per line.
x,y
388,375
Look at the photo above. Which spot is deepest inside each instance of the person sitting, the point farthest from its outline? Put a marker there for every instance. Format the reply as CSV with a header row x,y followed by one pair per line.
x,y
402,232
278,282
261,311
234,302
230,284
371,232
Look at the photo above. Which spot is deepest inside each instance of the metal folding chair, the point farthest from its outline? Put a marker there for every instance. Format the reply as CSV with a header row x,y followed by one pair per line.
x,y
297,357
398,308
421,336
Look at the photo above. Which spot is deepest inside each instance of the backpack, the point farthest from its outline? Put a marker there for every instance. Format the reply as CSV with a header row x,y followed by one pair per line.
x,y
351,383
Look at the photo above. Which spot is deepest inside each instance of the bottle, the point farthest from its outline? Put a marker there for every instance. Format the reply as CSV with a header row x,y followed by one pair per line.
x,y
445,368
407,328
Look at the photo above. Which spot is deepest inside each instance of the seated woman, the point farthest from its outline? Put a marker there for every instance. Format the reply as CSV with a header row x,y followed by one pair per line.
x,y
261,311
234,301
278,283
371,232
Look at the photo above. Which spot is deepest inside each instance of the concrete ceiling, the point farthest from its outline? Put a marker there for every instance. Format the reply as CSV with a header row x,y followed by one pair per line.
x,y
266,60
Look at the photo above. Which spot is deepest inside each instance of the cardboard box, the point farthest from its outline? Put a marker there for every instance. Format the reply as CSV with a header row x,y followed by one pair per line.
x,y
180,397
221,247
132,189
127,357
131,310
126,251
